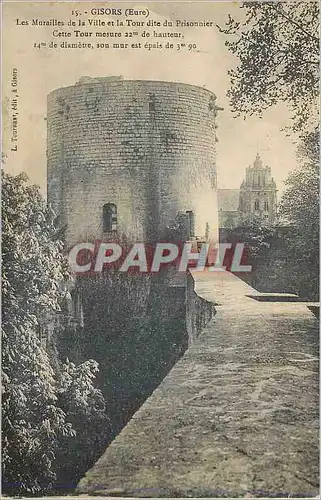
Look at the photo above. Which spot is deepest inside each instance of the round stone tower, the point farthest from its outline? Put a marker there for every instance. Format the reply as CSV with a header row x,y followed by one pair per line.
x,y
130,156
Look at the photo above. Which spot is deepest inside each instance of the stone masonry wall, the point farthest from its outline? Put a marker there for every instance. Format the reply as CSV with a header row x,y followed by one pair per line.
x,y
199,311
147,146
136,327
236,417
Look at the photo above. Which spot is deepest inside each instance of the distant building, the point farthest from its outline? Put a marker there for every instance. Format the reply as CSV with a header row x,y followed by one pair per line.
x,y
256,196
228,205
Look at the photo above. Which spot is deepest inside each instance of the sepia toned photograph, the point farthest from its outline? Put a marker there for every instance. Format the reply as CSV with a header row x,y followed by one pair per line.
x,y
160,249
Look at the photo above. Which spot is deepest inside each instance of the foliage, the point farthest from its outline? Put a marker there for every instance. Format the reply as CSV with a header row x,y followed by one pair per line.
x,y
86,410
300,201
300,206
285,258
277,46
256,234
35,276
179,230
32,423
33,271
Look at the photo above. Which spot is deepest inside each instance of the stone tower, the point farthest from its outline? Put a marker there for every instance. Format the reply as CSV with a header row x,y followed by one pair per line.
x,y
129,156
132,158
258,193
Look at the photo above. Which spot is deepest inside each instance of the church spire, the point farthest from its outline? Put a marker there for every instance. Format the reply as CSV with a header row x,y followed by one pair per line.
x,y
258,192
258,162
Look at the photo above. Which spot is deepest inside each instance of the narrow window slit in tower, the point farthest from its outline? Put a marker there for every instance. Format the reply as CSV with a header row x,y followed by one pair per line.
x,y
152,107
109,217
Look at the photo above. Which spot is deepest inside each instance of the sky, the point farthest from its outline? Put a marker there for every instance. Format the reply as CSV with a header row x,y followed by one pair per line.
x,y
42,70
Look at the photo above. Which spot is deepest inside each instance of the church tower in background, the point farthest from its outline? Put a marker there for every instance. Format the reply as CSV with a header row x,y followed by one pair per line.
x,y
258,193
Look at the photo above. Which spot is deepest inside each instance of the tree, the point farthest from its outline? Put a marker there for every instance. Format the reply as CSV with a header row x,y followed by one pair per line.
x,y
35,423
277,49
33,274
285,258
86,410
300,206
32,423
257,235
277,46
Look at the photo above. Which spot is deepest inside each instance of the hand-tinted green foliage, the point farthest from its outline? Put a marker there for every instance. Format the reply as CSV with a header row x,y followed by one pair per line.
x,y
277,47
35,419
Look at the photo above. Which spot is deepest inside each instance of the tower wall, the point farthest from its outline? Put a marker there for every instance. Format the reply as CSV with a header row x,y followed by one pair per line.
x,y
146,146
